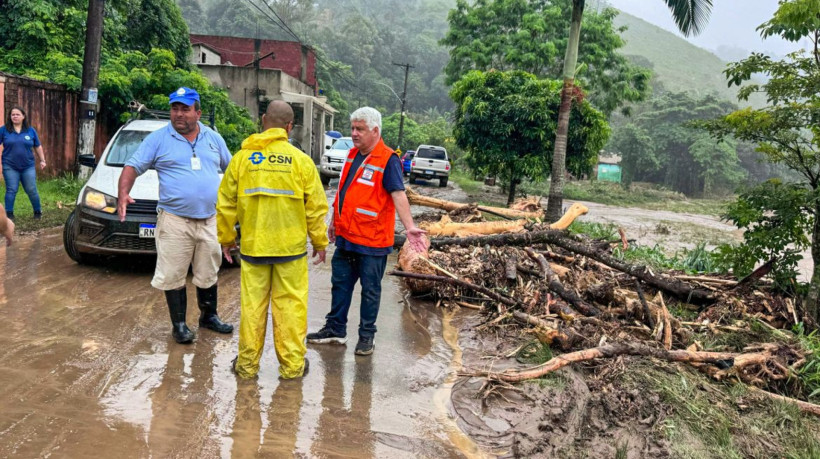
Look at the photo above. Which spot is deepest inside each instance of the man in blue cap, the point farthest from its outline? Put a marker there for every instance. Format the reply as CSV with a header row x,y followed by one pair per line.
x,y
188,157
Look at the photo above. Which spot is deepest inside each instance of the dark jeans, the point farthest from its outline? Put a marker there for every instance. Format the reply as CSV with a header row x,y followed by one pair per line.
x,y
13,178
349,267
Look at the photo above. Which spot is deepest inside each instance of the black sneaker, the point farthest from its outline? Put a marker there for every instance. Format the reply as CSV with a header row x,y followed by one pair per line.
x,y
365,345
325,336
38,215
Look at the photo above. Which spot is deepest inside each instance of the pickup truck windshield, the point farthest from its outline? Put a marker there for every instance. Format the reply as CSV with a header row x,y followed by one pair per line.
x,y
343,144
431,154
125,146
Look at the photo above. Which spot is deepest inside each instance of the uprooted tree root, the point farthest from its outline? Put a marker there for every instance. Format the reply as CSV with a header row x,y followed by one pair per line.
x,y
576,296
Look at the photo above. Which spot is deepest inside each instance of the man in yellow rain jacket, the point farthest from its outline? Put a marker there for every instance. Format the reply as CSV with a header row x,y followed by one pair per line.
x,y
273,191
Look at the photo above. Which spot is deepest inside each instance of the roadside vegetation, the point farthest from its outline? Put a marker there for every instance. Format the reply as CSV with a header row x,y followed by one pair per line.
x,y
57,197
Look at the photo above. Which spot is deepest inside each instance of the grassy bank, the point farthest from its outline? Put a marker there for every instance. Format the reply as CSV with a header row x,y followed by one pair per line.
x,y
57,198
641,195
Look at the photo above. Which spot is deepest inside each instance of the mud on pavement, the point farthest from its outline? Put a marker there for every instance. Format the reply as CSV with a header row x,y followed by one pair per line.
x,y
89,369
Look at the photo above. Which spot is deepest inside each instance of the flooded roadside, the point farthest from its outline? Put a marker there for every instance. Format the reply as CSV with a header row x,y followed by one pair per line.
x,y
89,368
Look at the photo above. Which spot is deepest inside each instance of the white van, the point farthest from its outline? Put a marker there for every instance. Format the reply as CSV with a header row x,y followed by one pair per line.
x,y
94,228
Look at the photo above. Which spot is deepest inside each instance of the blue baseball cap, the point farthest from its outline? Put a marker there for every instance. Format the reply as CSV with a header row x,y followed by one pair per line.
x,y
184,95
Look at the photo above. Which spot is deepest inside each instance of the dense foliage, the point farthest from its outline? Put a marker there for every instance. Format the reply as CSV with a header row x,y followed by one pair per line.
x,y
531,35
144,56
506,122
659,145
776,222
786,130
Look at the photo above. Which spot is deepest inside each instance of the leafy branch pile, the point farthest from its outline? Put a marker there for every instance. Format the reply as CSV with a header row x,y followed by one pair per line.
x,y
574,296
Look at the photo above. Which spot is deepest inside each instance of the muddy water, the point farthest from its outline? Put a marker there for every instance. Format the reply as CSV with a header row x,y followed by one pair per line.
x,y
88,369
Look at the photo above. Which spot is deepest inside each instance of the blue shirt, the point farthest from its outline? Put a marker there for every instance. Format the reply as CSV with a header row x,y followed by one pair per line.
x,y
18,149
392,180
184,191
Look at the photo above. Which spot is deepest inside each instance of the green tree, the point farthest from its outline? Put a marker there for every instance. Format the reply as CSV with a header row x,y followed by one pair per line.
x,y
144,55
506,121
787,129
689,15
529,35
637,152
414,135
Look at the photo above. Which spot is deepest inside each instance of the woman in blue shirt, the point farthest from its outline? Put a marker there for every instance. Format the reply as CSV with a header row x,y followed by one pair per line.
x,y
18,141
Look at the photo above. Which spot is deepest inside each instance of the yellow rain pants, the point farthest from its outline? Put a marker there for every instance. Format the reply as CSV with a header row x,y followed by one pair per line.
x,y
283,286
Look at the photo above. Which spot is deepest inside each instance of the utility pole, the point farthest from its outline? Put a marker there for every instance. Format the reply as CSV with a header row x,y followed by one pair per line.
x,y
91,70
407,68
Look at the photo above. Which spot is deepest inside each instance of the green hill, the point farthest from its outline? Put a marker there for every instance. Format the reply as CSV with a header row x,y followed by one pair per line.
x,y
677,64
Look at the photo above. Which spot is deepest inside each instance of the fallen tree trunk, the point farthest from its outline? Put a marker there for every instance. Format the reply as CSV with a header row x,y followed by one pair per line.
x,y
675,287
447,227
609,351
417,199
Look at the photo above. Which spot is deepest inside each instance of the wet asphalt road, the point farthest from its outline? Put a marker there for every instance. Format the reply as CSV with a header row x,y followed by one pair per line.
x,y
88,369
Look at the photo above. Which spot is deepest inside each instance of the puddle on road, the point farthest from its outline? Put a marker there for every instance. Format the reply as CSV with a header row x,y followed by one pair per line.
x,y
89,368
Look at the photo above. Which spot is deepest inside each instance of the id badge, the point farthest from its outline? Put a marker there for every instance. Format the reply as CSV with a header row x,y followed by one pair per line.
x,y
195,164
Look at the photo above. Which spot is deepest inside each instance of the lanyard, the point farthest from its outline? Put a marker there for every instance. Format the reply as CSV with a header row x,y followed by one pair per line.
x,y
193,145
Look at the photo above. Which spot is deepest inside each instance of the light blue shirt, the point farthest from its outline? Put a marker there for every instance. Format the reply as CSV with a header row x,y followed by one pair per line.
x,y
184,191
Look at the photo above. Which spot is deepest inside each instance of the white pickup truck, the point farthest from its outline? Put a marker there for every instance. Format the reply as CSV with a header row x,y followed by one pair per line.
x,y
429,163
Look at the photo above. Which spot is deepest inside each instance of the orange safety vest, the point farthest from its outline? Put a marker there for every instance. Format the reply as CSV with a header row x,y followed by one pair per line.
x,y
369,215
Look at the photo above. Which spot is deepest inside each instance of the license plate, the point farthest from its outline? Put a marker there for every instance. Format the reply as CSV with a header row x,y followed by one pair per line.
x,y
147,230
428,172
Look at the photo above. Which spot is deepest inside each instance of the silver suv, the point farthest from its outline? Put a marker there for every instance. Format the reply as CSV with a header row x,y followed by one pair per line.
x,y
429,163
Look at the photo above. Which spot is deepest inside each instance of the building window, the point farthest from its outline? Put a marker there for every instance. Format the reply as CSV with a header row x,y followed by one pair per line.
x,y
203,58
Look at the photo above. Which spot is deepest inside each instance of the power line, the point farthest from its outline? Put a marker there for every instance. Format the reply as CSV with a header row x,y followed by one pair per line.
x,y
287,27
267,16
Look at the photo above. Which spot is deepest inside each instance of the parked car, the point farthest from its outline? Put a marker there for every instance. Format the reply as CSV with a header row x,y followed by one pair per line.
x,y
333,160
93,228
406,159
430,162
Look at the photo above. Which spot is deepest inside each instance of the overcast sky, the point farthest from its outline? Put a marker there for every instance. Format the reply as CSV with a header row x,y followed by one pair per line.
x,y
732,23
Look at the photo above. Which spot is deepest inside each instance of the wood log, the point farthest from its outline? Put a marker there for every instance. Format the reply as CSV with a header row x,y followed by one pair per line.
x,y
609,351
415,261
528,204
675,287
667,326
647,315
417,199
805,407
574,211
511,267
556,286
447,227
755,275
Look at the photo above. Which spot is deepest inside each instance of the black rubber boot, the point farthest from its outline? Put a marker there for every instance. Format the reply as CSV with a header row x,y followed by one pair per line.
x,y
206,297
178,306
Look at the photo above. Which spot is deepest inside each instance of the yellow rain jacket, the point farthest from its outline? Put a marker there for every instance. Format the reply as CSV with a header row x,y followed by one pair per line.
x,y
273,190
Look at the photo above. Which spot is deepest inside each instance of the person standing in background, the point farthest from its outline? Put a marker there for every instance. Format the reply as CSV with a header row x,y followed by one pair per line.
x,y
18,142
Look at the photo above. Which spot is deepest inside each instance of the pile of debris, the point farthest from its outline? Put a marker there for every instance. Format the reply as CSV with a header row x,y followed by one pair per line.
x,y
575,296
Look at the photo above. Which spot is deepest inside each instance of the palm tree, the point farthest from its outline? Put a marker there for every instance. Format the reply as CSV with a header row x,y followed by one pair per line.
x,y
689,15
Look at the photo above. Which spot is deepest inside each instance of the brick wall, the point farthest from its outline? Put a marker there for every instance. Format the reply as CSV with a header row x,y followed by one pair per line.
x,y
241,51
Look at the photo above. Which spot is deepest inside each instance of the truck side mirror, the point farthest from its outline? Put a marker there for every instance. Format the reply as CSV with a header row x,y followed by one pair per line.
x,y
87,160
